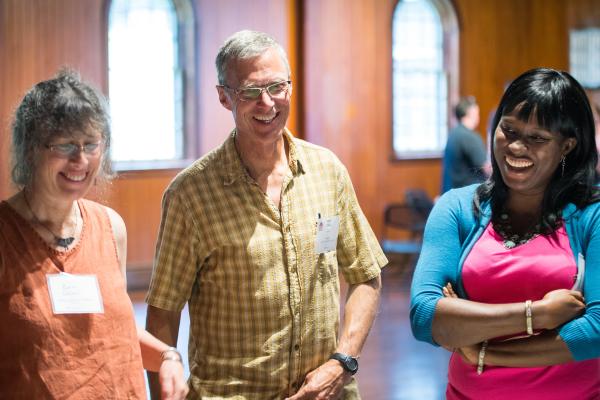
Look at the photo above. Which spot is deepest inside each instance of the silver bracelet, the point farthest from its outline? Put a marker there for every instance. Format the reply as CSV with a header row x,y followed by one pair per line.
x,y
171,354
481,357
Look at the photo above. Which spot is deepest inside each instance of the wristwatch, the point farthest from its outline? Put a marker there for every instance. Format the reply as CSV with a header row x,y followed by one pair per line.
x,y
349,363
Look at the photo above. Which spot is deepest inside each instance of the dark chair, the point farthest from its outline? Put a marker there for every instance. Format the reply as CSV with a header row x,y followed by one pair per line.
x,y
408,220
408,225
419,201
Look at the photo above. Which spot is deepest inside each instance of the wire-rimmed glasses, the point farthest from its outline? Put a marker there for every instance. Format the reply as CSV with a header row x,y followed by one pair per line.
x,y
69,150
277,90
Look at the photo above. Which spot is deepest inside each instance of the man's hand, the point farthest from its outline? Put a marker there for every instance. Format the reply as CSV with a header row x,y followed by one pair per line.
x,y
172,382
323,383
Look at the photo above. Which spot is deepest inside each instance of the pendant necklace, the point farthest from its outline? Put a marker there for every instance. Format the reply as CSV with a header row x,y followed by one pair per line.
x,y
59,241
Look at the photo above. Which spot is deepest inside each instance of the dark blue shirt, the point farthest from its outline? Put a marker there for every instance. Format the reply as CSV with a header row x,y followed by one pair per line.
x,y
464,158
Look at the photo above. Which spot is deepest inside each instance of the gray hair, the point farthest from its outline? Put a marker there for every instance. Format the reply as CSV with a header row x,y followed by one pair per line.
x,y
59,107
243,45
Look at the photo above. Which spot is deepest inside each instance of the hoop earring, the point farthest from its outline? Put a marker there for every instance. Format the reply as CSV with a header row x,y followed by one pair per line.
x,y
563,162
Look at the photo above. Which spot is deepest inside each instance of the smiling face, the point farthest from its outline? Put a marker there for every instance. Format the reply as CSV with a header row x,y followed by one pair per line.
x,y
528,155
261,120
63,177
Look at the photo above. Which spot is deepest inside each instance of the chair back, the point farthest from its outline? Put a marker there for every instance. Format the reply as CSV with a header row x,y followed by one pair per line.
x,y
409,217
419,201
404,217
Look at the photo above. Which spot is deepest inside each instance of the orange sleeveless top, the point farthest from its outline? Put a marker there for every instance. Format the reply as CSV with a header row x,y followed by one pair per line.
x,y
74,356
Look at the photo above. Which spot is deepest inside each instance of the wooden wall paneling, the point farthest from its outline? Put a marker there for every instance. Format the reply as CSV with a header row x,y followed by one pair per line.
x,y
476,46
366,103
295,54
138,195
493,51
343,98
36,39
583,14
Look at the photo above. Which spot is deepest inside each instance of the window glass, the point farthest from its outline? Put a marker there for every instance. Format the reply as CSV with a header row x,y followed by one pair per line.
x,y
584,56
420,87
145,85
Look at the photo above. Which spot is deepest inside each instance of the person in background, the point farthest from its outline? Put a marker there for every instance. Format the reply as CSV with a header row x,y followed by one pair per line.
x,y
253,236
68,329
509,272
464,156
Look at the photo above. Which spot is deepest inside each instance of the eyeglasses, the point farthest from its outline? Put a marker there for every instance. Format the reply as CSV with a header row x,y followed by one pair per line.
x,y
71,149
277,90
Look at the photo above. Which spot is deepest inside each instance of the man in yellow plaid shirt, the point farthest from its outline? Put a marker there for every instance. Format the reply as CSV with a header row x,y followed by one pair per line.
x,y
253,236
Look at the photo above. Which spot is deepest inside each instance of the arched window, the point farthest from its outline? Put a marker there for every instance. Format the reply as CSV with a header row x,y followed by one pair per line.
x,y
425,65
148,78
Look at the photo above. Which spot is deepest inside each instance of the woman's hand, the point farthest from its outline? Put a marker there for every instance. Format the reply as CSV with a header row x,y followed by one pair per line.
x,y
556,308
448,291
172,384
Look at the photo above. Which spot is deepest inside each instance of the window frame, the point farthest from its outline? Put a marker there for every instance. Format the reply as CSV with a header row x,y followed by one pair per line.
x,y
188,62
450,40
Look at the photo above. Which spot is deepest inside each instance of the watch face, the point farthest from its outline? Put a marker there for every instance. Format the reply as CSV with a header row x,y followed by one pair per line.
x,y
352,364
349,363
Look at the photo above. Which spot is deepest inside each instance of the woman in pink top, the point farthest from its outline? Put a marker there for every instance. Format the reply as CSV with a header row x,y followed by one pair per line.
x,y
67,327
509,273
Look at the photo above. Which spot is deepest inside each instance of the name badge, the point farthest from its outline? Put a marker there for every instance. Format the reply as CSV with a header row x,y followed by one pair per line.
x,y
75,294
327,234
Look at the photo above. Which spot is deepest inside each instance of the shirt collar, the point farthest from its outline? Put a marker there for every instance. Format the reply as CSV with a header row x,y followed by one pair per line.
x,y
234,169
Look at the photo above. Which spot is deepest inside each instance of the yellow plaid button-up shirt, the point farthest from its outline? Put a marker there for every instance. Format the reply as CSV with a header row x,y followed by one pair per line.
x,y
264,307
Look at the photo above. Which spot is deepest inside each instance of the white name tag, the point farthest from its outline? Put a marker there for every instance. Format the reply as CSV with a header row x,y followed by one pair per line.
x,y
75,294
327,234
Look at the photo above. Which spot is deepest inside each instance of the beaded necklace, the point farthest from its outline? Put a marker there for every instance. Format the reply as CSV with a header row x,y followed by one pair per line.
x,y
512,239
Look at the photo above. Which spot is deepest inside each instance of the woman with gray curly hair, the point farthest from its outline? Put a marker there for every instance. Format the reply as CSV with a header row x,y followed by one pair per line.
x,y
68,328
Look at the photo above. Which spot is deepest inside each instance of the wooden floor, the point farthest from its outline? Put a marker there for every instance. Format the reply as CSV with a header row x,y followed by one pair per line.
x,y
393,366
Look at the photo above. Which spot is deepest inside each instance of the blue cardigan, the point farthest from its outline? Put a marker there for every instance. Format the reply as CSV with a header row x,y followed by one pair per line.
x,y
450,234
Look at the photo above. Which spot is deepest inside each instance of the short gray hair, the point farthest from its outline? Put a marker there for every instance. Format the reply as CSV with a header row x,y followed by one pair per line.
x,y
243,45
55,108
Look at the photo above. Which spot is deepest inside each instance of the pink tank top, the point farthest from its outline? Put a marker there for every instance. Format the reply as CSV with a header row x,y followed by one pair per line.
x,y
493,274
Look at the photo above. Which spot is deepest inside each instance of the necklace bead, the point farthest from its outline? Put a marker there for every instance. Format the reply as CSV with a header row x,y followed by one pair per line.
x,y
511,239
